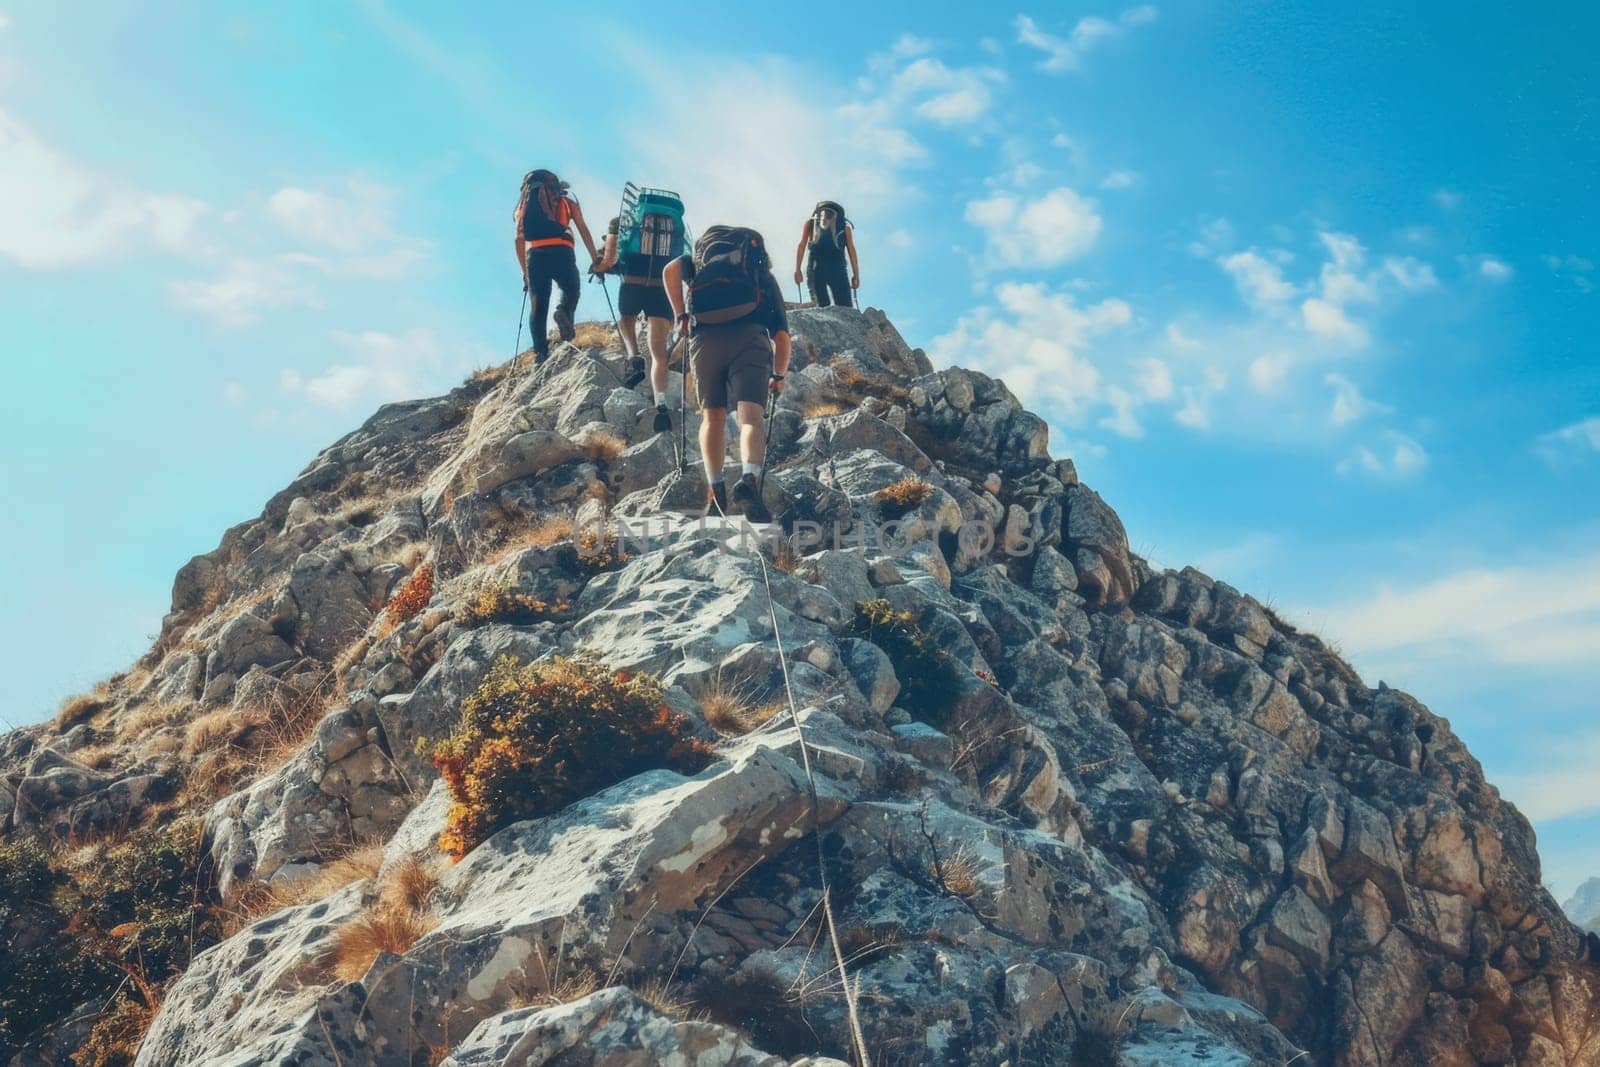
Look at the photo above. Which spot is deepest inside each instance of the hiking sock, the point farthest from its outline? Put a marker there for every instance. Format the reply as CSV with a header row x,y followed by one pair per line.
x,y
752,470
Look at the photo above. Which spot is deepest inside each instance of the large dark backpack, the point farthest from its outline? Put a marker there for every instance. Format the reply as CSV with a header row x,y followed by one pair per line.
x,y
829,229
730,268
546,209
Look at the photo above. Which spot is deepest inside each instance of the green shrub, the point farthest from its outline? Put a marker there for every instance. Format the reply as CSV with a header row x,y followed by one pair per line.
x,y
535,738
929,677
72,931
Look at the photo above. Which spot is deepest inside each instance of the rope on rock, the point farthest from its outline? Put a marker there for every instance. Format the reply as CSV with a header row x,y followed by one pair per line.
x,y
863,1059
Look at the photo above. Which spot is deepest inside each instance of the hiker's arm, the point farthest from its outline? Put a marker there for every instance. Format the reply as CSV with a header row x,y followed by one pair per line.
x,y
800,252
583,231
522,250
608,258
780,359
672,279
850,246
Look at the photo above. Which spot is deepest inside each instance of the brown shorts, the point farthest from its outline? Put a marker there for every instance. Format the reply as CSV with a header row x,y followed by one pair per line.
x,y
731,364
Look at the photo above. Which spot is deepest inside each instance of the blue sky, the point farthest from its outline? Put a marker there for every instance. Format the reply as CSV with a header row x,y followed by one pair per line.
x,y
1309,295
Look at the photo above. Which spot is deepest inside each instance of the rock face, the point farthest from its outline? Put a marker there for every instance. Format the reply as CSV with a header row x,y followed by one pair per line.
x,y
1120,816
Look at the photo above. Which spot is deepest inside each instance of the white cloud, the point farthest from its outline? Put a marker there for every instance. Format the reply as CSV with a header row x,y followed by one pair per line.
x,y
1260,280
1447,199
381,368
1546,612
233,393
1119,179
1574,267
1121,420
1056,227
1216,236
947,95
57,213
1066,53
1496,270
1410,273
901,239
1340,282
1178,339
1153,378
1268,371
1580,440
1196,410
245,288
1035,340
1348,403
1567,782
5,22
351,222
1395,457
867,140
1328,321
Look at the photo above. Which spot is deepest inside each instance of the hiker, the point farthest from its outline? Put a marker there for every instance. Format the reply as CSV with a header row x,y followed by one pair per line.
x,y
546,254
827,238
645,238
739,342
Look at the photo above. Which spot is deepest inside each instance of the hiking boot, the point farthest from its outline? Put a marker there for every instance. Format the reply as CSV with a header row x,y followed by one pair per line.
x,y
564,327
636,373
717,500
539,357
745,496
663,421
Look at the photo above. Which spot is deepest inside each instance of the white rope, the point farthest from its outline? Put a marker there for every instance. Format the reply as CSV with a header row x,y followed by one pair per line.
x,y
856,1036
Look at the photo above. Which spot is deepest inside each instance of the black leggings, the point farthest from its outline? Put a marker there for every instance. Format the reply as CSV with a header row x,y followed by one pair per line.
x,y
552,263
829,280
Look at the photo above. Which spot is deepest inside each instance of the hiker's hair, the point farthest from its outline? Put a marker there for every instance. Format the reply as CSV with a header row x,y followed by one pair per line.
x,y
550,190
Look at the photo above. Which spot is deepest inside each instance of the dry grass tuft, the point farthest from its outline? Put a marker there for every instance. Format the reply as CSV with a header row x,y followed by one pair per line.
x,y
959,874
151,717
489,605
542,533
380,928
223,726
490,374
363,511
257,900
659,996
784,555
81,708
729,709
822,409
603,446
594,335
902,496
410,883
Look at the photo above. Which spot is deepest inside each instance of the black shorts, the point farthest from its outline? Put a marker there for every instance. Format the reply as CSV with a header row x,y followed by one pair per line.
x,y
650,299
731,362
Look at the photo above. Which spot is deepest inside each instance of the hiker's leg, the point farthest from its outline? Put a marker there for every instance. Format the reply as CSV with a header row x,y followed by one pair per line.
x,y
752,435
713,441
814,284
565,271
709,352
660,333
842,296
539,279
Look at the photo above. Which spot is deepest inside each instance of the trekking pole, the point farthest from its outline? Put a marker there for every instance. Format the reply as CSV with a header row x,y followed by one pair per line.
x,y
521,309
683,406
615,323
766,446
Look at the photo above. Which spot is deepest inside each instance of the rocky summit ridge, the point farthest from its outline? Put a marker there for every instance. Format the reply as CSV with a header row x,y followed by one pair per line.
x,y
1072,809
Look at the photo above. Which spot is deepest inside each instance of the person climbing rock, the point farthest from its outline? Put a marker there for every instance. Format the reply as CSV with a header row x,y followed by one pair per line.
x,y
739,344
825,241
545,213
644,238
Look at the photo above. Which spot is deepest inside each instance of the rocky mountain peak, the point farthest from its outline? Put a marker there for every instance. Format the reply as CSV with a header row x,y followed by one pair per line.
x,y
1066,808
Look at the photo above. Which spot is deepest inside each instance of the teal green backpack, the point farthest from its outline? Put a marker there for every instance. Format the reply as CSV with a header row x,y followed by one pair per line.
x,y
650,227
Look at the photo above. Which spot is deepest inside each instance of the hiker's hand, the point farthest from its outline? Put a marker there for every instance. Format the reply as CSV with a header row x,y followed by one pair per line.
x,y
799,277
775,384
524,282
855,281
